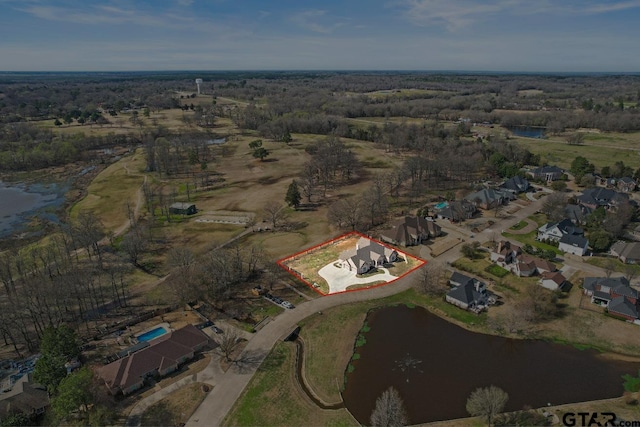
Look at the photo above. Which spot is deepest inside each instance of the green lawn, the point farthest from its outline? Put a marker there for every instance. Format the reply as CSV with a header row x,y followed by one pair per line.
x,y
479,268
617,265
273,399
519,226
496,270
530,238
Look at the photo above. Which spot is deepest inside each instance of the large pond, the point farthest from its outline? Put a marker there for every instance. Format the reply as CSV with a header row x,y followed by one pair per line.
x,y
527,131
435,365
20,202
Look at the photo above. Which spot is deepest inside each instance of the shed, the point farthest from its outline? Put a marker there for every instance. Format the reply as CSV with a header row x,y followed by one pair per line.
x,y
180,208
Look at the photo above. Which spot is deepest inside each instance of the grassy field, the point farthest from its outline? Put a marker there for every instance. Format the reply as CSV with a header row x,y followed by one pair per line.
x,y
273,398
175,408
617,265
109,193
601,153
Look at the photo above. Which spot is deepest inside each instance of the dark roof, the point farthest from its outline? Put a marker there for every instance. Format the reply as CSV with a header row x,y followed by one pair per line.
x,y
610,286
489,195
460,278
556,277
467,294
621,305
577,213
601,196
133,349
627,180
567,227
25,396
410,228
577,241
165,352
547,169
516,183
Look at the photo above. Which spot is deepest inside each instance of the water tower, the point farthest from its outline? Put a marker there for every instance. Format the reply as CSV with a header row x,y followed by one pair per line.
x,y
198,83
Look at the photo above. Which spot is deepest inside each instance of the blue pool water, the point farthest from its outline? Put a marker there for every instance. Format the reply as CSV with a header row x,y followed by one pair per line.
x,y
154,333
441,205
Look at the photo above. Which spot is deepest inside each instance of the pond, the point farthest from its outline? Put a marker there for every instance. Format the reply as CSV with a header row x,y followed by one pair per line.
x,y
19,202
435,365
528,131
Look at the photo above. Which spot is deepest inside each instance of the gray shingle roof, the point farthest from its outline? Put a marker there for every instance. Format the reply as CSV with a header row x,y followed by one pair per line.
x,y
623,306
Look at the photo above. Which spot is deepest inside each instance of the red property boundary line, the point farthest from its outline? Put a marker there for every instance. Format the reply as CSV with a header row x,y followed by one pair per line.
x,y
281,262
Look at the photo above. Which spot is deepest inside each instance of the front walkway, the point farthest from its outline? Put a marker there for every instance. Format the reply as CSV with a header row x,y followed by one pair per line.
x,y
339,279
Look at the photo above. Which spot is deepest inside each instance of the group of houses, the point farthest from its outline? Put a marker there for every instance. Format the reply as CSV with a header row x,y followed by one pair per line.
x,y
512,258
614,293
485,198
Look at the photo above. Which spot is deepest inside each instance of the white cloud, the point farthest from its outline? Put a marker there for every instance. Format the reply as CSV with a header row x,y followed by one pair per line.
x,y
456,14
309,21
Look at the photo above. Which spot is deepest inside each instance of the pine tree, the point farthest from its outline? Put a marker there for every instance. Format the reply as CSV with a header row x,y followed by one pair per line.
x,y
293,195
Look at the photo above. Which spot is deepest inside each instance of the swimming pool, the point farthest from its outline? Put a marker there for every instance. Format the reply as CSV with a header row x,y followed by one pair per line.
x,y
441,205
153,333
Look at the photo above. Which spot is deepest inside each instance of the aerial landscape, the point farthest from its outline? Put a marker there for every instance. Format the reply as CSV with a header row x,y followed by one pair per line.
x,y
419,212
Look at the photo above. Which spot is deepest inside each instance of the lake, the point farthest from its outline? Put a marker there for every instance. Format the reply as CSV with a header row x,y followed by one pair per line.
x,y
527,131
20,202
435,365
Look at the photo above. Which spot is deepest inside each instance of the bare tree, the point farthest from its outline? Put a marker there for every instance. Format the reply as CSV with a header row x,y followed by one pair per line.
x,y
275,212
389,410
228,342
487,402
554,206
630,272
346,213
431,279
609,266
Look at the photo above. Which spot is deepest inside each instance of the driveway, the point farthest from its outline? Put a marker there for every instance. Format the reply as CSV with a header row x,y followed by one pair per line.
x,y
339,279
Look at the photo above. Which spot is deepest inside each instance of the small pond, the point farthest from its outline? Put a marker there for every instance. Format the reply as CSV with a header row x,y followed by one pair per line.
x,y
435,365
528,131
19,202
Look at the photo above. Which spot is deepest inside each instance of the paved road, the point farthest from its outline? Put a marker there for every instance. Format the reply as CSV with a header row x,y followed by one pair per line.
x,y
230,385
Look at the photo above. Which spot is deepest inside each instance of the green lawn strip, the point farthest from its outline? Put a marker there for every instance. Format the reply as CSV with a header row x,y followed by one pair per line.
x,y
272,399
618,266
530,238
519,226
496,270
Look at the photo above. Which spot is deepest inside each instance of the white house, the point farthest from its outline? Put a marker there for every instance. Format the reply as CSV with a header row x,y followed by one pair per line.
x,y
552,280
576,245
366,255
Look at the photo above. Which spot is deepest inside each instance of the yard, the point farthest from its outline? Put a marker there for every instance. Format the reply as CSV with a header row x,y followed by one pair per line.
x,y
480,267
176,408
530,239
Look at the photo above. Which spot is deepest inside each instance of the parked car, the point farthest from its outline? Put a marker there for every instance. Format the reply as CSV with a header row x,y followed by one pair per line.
x,y
287,304
217,330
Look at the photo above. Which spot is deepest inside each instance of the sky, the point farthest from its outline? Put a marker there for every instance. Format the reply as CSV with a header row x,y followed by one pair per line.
x,y
464,35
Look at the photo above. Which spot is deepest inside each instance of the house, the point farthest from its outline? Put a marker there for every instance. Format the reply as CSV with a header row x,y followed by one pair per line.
x,y
615,293
598,196
511,257
366,255
505,253
164,355
629,253
516,184
573,244
489,198
555,230
468,293
24,397
552,280
456,211
577,213
528,265
626,184
182,209
546,173
410,231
